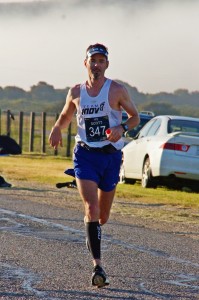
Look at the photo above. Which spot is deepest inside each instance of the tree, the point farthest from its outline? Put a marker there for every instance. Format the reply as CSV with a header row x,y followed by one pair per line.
x,y
43,91
13,93
181,92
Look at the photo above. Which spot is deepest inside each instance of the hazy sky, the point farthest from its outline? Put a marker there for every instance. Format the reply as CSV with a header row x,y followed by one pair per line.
x,y
153,44
20,1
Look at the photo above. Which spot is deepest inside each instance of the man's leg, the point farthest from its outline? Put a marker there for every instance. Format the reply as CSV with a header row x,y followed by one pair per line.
x,y
105,200
89,192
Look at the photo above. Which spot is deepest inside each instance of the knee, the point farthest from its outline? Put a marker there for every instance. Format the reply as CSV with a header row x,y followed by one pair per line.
x,y
92,211
103,219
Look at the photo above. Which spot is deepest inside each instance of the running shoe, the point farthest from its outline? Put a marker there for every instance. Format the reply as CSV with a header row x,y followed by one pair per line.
x,y
99,277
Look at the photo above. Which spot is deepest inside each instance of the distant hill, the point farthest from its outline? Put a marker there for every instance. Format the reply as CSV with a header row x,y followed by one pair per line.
x,y
180,102
44,97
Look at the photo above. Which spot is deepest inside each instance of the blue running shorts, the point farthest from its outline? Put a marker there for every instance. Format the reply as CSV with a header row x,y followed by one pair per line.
x,y
102,168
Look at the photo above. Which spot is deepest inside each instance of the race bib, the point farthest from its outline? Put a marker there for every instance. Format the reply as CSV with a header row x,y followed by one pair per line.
x,y
96,128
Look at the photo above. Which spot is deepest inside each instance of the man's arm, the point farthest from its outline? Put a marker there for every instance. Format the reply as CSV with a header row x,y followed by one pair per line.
x,y
65,117
128,105
120,98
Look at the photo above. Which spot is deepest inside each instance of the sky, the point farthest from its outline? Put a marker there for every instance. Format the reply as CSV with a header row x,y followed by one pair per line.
x,y
20,1
153,44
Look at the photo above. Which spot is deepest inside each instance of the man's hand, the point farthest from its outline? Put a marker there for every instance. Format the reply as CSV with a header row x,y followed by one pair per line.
x,y
55,137
115,133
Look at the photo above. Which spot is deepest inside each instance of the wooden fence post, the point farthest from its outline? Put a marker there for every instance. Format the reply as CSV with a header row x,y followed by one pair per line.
x,y
43,137
56,117
0,120
21,129
32,127
8,127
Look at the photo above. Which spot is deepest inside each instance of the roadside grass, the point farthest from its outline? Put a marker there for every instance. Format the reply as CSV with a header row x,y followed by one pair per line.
x,y
161,195
34,167
50,169
155,204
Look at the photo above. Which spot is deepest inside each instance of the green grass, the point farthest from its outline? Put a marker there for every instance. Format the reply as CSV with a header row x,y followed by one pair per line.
x,y
159,204
160,195
50,169
37,168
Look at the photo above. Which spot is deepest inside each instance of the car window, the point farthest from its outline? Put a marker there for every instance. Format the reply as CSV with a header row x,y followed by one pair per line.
x,y
144,131
133,132
183,125
153,130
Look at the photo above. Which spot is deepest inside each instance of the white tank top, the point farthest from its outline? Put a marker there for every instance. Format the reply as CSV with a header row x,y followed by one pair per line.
x,y
94,116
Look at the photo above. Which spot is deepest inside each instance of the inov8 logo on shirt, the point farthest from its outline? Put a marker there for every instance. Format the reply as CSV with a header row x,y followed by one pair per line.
x,y
93,109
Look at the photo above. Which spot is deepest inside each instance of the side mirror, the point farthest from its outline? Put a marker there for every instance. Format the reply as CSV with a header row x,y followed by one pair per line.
x,y
130,134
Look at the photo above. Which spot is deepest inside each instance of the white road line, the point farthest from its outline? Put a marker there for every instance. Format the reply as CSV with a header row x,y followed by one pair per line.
x,y
28,278
41,221
150,251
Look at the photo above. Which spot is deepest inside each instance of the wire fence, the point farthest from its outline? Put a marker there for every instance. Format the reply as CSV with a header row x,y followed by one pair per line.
x,y
31,132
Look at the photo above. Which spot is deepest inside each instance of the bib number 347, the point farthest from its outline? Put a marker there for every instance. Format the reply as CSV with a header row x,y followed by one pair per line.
x,y
95,128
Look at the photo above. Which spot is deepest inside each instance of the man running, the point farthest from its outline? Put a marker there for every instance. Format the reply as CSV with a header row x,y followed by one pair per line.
x,y
97,155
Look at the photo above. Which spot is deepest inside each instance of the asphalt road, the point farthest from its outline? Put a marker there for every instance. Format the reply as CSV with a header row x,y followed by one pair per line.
x,y
43,253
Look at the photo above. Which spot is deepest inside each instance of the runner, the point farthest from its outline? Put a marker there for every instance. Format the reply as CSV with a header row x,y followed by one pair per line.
x,y
97,156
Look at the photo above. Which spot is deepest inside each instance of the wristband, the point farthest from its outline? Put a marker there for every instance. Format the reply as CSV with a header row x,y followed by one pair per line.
x,y
125,127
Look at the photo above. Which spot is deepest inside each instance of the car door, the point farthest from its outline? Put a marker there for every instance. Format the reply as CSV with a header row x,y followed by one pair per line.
x,y
136,150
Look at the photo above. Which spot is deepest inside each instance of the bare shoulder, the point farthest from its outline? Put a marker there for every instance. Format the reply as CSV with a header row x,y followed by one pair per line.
x,y
74,92
118,89
116,86
120,98
118,95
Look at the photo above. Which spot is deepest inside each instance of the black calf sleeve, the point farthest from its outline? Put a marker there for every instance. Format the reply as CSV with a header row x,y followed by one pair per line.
x,y
93,232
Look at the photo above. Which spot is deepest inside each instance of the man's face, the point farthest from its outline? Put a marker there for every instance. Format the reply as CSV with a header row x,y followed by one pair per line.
x,y
96,65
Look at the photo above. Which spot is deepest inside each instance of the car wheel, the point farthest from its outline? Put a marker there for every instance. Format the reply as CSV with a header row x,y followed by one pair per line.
x,y
123,179
148,180
121,175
